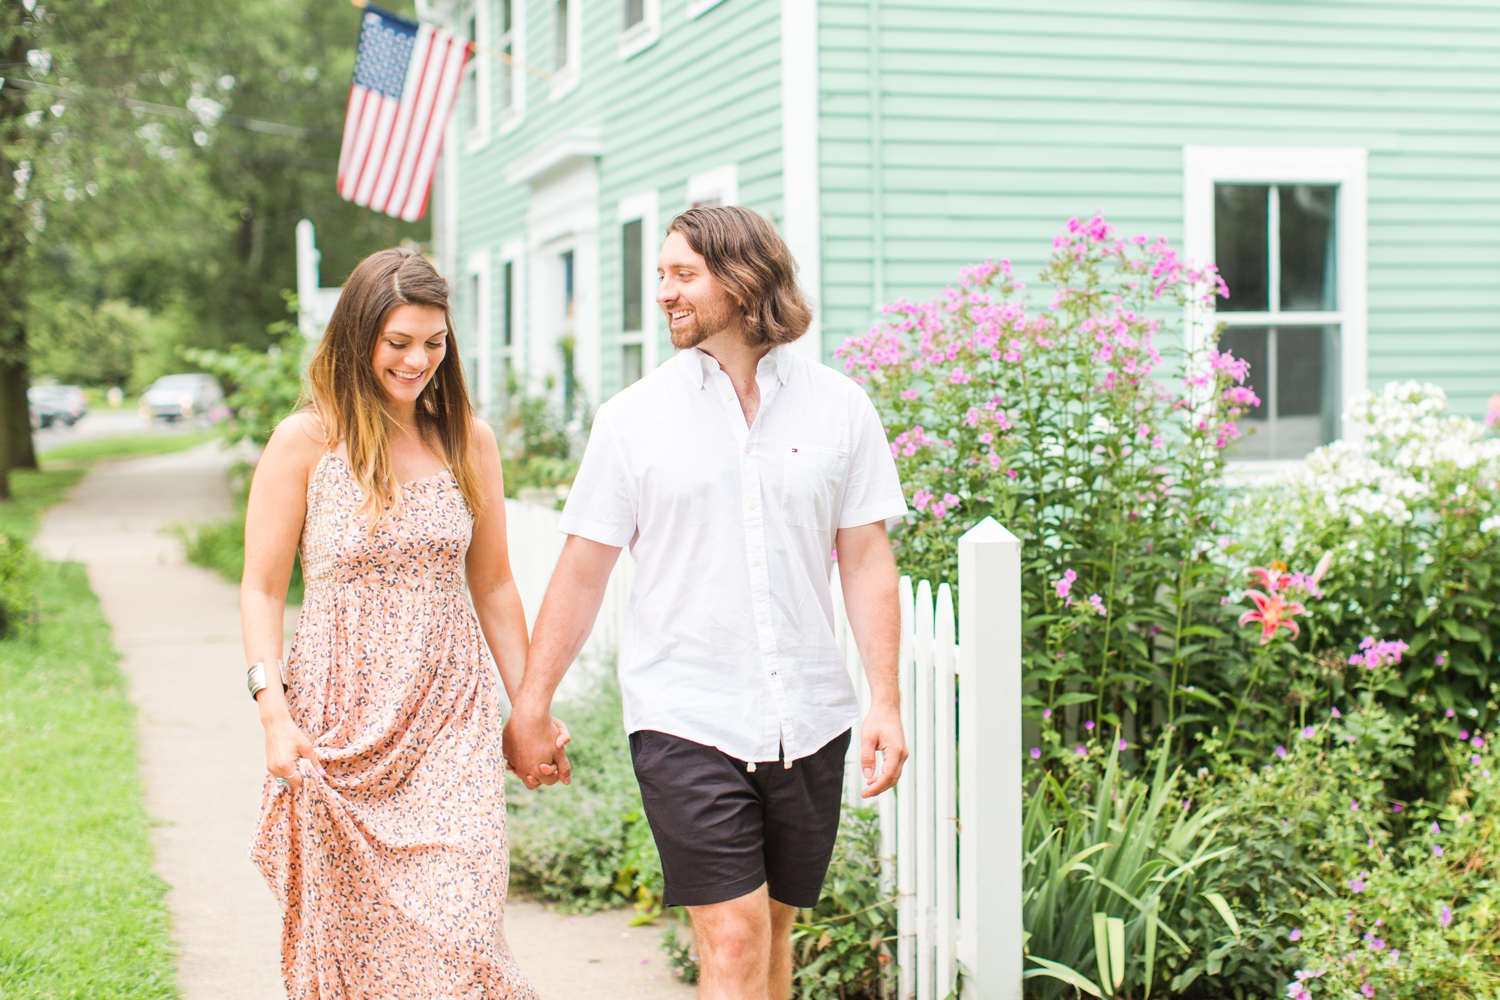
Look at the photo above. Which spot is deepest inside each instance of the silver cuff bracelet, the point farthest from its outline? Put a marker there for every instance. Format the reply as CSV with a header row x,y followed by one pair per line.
x,y
255,678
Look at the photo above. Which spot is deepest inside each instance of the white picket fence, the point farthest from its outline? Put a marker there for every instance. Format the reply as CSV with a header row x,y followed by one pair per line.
x,y
951,832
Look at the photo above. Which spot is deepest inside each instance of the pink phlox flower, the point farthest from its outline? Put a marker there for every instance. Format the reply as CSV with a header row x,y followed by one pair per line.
x,y
958,376
1065,583
1309,732
971,419
1367,990
1445,916
1357,885
1280,750
1378,653
1098,603
1492,415
1240,395
921,499
1225,363
1012,473
908,394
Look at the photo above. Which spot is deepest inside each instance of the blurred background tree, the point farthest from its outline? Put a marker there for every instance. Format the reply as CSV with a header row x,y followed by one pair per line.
x,y
162,158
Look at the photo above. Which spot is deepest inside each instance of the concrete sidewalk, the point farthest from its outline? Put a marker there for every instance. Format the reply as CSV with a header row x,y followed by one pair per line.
x,y
202,749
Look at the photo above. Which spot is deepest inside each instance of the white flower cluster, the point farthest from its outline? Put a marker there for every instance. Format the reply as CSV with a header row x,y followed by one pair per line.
x,y
1410,450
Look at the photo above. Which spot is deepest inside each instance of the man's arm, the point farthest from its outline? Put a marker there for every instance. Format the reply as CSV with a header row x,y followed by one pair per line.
x,y
867,572
568,611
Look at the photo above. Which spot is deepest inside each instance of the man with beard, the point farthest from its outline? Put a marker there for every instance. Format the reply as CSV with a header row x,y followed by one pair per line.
x,y
735,472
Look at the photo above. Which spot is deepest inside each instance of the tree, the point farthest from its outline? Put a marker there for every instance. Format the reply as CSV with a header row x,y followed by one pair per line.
x,y
15,419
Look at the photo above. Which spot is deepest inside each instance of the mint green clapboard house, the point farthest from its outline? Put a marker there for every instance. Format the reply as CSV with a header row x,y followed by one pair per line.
x,y
1339,160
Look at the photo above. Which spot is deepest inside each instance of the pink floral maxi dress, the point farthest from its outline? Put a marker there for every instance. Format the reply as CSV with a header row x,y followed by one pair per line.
x,y
390,864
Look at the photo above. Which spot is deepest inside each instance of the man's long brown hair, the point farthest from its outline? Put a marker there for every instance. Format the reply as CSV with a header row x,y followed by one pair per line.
x,y
345,390
749,258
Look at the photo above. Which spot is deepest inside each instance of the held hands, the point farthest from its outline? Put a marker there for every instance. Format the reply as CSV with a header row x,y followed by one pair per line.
x,y
533,745
882,732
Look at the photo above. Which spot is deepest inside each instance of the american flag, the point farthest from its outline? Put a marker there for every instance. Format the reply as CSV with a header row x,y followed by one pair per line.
x,y
405,78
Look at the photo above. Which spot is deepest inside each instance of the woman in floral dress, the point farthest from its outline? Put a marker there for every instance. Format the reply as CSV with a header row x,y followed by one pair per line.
x,y
382,822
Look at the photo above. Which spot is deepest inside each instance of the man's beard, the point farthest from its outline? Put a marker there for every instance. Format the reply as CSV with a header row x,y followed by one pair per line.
x,y
704,325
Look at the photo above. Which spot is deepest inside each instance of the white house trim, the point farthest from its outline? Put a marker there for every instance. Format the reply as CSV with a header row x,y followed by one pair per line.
x,y
801,195
565,78
561,153
641,36
511,118
697,8
1204,166
479,72
645,206
513,252
721,184
481,339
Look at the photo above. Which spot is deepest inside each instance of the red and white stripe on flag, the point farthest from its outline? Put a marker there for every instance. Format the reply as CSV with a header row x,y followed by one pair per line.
x,y
406,79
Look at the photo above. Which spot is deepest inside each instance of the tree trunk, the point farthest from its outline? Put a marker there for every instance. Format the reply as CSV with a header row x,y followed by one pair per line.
x,y
15,418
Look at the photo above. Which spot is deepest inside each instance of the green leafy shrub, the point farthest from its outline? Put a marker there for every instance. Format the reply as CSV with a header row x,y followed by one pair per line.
x,y
19,569
537,450
843,947
587,845
264,386
1411,507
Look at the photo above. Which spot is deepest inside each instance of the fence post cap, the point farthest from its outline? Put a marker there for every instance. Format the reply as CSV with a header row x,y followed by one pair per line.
x,y
988,530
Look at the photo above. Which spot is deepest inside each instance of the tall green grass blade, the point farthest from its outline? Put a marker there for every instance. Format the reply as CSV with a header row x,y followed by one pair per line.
x,y
1150,946
1056,970
1116,928
1101,949
1222,905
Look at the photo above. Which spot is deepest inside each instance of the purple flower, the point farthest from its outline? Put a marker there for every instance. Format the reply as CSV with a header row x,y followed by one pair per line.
x,y
1309,733
1098,603
1080,749
1437,850
1395,807
1089,725
1357,885
1463,734
1296,934
1439,661
1367,990
1046,713
1336,713
1123,744
1036,753
1474,760
1445,916
1065,584
1477,742
1354,805
1280,750
1435,828
1448,714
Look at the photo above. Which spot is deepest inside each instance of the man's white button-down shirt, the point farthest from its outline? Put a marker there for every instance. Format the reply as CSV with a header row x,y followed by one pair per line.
x,y
728,637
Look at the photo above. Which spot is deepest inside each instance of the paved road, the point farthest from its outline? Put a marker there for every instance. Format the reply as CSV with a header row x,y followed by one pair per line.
x,y
177,627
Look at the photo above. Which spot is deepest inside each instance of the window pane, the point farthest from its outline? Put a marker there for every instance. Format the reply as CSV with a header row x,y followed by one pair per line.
x,y
635,12
1307,396
1307,246
505,19
505,93
630,365
1241,247
1251,343
630,274
560,34
507,311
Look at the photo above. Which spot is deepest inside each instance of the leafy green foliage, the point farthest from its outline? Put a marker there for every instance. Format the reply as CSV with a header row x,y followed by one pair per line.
x,y
264,386
843,947
537,449
1412,510
1136,856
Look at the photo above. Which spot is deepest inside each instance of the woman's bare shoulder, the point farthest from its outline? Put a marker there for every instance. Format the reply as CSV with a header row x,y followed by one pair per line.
x,y
482,433
298,442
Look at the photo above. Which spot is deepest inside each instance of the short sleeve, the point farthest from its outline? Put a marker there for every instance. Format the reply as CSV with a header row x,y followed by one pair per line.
x,y
602,504
872,491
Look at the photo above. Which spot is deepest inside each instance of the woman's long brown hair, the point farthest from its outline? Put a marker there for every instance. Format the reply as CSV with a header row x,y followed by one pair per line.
x,y
345,391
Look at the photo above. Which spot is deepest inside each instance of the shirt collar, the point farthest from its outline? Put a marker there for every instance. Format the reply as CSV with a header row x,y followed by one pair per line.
x,y
699,365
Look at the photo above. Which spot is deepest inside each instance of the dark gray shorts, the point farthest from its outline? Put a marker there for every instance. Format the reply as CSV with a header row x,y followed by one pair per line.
x,y
723,831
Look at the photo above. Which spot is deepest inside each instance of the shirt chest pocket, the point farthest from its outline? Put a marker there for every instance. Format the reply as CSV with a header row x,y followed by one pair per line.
x,y
812,482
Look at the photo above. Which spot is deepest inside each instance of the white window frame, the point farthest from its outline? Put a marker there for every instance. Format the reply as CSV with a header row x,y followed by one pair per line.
x,y
1205,166
481,338
644,207
639,37
722,183
478,81
514,114
565,78
513,252
697,8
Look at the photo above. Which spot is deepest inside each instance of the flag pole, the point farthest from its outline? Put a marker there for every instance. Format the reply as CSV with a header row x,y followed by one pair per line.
x,y
485,50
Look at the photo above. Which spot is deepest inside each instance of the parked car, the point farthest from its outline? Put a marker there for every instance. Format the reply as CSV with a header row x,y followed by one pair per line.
x,y
52,404
179,397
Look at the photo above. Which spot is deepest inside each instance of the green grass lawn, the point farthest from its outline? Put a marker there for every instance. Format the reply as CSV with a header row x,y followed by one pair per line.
x,y
130,446
82,913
